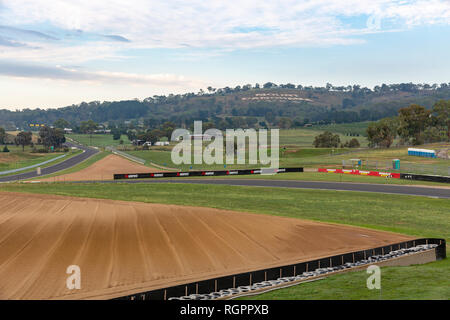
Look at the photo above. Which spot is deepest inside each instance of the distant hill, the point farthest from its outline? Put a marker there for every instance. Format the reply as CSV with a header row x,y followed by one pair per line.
x,y
257,105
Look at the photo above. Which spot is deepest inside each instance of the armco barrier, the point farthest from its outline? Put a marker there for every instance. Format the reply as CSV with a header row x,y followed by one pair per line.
x,y
422,177
201,173
249,278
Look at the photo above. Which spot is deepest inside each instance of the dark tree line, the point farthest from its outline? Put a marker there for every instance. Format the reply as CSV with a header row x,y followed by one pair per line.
x,y
414,125
328,104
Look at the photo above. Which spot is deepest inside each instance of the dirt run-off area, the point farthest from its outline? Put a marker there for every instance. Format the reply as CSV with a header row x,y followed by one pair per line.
x,y
129,247
103,169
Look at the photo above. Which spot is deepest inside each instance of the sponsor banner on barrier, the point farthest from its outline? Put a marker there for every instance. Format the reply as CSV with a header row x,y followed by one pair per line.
x,y
203,173
422,177
361,172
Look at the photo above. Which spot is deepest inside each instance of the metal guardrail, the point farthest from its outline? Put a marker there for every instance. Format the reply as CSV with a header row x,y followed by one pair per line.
x,y
31,167
126,155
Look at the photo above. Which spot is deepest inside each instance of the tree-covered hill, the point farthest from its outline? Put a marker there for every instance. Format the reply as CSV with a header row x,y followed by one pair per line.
x,y
254,105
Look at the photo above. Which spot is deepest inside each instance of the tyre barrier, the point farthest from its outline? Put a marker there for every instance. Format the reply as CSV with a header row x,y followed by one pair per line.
x,y
244,283
305,276
204,173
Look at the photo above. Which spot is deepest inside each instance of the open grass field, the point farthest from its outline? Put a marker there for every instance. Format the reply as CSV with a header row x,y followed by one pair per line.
x,y
304,176
17,158
296,150
98,140
343,128
288,157
304,137
373,159
288,137
414,216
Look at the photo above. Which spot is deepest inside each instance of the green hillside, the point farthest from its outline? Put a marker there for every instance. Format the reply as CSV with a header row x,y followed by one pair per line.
x,y
245,106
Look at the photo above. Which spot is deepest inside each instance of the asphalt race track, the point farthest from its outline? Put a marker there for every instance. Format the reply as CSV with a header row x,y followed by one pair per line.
x,y
434,192
337,186
88,152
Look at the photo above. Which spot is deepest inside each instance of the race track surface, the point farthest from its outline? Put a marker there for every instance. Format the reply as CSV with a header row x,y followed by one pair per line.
x,y
88,152
435,192
129,247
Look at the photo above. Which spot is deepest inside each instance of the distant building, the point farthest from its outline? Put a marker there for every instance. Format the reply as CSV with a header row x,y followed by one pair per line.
x,y
67,130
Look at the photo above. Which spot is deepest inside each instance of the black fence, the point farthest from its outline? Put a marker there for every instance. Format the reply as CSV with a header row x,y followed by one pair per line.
x,y
249,278
203,173
422,177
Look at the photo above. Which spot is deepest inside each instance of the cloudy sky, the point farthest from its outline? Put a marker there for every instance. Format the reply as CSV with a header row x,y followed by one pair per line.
x,y
57,52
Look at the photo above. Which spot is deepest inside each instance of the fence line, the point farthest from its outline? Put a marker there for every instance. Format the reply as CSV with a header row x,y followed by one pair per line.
x,y
439,170
126,155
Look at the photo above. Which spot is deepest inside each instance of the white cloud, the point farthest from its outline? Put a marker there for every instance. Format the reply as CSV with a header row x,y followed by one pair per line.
x,y
74,32
20,70
196,23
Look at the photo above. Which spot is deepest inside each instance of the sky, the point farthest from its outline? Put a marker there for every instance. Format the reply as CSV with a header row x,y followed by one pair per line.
x,y
55,53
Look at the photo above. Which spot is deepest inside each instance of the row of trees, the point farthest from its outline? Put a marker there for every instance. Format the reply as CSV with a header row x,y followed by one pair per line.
x,y
414,125
330,140
48,137
405,87
153,135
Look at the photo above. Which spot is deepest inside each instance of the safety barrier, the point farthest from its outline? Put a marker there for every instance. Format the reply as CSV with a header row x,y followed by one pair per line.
x,y
206,287
422,177
204,173
407,176
126,155
362,172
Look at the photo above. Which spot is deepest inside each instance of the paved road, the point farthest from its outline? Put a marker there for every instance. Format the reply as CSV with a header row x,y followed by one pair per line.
x,y
340,186
88,152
